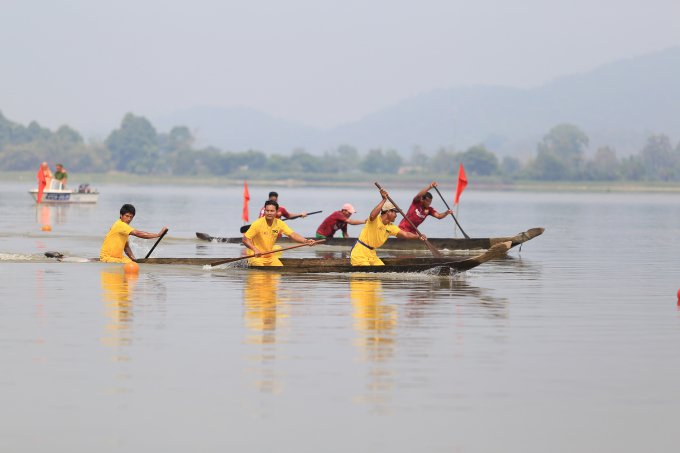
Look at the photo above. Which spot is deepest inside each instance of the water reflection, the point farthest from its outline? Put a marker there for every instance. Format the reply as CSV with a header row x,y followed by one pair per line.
x,y
117,291
374,322
57,213
263,314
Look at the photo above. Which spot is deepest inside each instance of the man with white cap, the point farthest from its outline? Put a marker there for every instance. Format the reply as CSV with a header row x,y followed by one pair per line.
x,y
378,228
338,221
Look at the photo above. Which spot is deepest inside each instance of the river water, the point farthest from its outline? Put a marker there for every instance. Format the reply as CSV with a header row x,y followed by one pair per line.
x,y
572,344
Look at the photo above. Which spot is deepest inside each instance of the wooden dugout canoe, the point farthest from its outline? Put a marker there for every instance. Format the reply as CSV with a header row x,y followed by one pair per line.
x,y
405,244
440,266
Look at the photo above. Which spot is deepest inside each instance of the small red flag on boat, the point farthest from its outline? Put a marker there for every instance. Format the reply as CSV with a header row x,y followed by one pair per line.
x,y
462,182
41,183
246,199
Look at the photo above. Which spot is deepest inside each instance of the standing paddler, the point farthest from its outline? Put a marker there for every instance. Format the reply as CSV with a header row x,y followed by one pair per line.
x,y
262,234
420,208
378,228
116,241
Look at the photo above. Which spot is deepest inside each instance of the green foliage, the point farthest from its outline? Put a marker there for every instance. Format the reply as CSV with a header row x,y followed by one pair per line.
x,y
444,161
660,159
560,153
511,166
604,167
477,160
378,162
134,147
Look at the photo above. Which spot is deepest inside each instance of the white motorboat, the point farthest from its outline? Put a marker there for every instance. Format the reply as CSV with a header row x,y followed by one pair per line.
x,y
57,193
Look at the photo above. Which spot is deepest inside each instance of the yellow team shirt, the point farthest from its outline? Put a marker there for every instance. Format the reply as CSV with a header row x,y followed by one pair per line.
x,y
374,234
114,243
263,237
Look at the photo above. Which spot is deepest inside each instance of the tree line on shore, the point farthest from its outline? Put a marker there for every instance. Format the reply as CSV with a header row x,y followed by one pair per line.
x,y
136,147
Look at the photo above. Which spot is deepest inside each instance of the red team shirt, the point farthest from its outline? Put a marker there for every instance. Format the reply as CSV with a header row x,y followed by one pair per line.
x,y
416,214
334,222
281,212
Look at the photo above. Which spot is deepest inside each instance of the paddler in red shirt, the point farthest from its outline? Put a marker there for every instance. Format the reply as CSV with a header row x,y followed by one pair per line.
x,y
282,212
420,208
338,221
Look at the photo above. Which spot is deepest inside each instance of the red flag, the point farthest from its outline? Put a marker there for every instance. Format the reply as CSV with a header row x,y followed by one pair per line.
x,y
41,183
246,199
462,182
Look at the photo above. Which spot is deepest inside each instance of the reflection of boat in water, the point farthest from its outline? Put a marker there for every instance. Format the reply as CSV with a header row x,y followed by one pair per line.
x,y
57,193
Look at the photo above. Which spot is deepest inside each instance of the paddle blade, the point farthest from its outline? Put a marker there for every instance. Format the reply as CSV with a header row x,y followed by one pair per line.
x,y
434,251
244,228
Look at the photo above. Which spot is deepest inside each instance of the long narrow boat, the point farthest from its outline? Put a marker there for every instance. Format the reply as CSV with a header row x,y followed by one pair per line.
x,y
405,244
437,266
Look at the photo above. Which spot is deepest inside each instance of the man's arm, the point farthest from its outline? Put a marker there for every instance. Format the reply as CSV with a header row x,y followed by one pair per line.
x,y
128,251
297,238
406,235
288,215
376,211
145,235
424,191
441,215
356,222
248,243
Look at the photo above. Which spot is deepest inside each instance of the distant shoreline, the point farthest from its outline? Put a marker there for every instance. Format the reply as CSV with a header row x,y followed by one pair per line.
x,y
357,180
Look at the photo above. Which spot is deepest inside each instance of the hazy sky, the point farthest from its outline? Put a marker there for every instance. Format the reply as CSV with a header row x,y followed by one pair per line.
x,y
86,63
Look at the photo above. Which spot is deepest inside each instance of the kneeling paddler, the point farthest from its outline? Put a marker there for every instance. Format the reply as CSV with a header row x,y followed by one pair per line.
x,y
378,228
262,234
116,241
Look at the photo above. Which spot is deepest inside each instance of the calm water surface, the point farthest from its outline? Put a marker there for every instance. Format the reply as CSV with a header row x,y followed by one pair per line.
x,y
571,345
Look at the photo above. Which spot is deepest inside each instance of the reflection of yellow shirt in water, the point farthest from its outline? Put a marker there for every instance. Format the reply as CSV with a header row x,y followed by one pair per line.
x,y
263,237
373,318
114,243
261,299
374,234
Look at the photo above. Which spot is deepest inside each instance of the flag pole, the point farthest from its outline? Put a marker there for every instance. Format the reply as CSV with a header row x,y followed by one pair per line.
x,y
457,211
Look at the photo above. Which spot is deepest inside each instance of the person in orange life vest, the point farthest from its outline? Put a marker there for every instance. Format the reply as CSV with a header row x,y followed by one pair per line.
x,y
262,234
281,212
338,221
116,241
420,209
48,174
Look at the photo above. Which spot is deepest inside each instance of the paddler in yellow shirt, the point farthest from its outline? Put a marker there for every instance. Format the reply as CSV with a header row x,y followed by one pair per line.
x,y
378,228
261,236
116,241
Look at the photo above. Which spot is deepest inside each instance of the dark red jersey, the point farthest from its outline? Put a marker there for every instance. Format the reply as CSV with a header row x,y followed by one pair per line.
x,y
416,214
334,222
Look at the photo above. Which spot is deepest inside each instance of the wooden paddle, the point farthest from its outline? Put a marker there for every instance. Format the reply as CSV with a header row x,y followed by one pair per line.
x,y
154,246
245,228
434,251
454,217
217,263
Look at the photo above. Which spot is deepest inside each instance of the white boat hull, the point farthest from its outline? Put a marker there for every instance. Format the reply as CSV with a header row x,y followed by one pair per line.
x,y
57,194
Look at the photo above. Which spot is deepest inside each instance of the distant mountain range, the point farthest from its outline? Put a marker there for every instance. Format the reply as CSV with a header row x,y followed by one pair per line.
x,y
619,104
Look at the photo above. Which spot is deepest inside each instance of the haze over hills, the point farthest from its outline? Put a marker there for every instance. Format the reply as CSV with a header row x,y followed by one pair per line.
x,y
619,104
